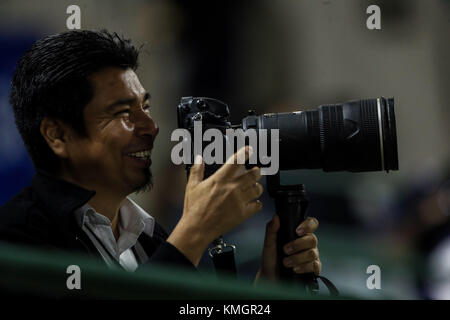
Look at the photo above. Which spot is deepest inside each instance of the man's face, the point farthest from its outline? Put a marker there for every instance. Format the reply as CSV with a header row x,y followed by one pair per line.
x,y
120,133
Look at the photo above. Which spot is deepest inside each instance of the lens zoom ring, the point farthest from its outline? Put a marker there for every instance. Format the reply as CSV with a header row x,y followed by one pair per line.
x,y
324,126
369,116
332,124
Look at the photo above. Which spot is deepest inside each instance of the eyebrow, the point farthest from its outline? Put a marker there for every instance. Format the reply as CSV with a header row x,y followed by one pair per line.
x,y
122,102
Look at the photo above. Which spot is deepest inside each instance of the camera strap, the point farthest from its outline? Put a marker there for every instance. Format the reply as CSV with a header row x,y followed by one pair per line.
x,y
222,255
330,286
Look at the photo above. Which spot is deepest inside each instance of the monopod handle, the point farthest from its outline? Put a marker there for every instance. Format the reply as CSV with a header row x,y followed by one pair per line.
x,y
291,205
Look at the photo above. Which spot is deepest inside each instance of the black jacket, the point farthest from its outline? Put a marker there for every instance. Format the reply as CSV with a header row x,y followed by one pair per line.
x,y
43,215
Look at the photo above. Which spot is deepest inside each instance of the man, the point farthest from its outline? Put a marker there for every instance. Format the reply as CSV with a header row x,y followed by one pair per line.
x,y
86,122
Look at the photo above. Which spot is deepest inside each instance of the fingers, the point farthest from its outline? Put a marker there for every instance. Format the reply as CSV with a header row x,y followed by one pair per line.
x,y
269,266
306,242
248,179
196,172
301,258
310,267
251,193
253,207
307,226
303,255
235,162
304,262
272,227
247,187
306,245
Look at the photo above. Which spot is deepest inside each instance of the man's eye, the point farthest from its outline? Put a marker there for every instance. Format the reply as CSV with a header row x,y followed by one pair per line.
x,y
146,107
122,112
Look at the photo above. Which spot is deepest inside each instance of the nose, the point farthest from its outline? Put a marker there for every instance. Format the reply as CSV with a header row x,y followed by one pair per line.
x,y
145,125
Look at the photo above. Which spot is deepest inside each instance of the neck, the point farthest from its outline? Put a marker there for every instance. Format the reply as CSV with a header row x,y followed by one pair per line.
x,y
106,201
109,207
106,205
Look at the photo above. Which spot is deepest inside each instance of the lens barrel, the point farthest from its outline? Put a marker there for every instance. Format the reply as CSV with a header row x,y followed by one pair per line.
x,y
355,136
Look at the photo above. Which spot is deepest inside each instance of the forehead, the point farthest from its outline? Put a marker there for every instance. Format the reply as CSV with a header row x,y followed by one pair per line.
x,y
112,84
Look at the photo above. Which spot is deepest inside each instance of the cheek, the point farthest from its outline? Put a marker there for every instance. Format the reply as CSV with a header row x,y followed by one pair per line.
x,y
86,156
114,140
108,143
126,124
102,156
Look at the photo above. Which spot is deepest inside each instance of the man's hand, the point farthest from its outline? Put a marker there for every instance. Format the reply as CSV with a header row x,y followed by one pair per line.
x,y
214,206
302,253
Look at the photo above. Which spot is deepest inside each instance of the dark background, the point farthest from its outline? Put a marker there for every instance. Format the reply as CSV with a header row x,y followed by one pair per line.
x,y
277,56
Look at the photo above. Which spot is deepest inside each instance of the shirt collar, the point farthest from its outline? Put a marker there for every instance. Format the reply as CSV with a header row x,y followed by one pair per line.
x,y
132,218
133,221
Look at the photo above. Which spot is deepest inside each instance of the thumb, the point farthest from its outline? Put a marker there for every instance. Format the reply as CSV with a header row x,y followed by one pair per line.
x,y
269,255
271,232
197,171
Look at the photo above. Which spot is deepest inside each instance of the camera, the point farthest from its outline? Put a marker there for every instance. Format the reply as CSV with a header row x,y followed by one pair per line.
x,y
354,136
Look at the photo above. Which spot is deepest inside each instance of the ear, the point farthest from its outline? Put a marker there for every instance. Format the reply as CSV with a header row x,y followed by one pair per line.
x,y
57,134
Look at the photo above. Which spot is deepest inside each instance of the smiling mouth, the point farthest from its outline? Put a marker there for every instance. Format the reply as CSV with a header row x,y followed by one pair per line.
x,y
141,155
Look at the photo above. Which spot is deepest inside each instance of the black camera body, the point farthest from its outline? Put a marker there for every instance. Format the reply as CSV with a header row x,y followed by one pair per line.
x,y
212,112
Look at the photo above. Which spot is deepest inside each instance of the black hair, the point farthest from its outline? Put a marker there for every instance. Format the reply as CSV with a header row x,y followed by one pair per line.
x,y
51,80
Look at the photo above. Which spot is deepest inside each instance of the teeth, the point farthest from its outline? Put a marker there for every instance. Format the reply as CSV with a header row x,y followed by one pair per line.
x,y
141,154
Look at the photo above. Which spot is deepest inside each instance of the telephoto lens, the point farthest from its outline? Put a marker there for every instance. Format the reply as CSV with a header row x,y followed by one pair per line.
x,y
354,136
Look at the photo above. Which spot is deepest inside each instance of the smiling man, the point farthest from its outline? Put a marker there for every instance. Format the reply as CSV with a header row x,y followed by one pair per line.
x,y
85,119
114,157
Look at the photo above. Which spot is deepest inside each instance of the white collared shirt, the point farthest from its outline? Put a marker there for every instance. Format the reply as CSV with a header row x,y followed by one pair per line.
x,y
133,220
